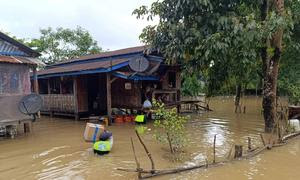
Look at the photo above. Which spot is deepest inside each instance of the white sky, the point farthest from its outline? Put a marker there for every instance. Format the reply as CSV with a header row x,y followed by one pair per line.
x,y
109,21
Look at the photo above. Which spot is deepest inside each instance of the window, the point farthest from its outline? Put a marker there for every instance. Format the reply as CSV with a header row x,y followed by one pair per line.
x,y
172,79
43,86
54,85
67,85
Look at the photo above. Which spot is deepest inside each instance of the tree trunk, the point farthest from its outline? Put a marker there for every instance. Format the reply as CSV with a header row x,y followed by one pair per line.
x,y
271,66
238,98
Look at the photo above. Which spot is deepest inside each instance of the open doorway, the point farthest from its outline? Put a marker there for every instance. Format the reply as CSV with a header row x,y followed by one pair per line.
x,y
96,94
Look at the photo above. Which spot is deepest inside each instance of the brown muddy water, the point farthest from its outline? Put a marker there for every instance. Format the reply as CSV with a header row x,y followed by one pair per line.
x,y
56,149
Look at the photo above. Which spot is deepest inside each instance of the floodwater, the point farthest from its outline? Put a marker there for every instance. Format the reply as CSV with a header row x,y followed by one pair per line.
x,y
56,149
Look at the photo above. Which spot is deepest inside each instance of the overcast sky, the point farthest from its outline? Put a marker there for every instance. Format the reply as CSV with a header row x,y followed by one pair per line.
x,y
109,21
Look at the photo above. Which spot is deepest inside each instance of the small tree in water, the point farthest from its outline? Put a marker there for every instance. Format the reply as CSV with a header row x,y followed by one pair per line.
x,y
171,127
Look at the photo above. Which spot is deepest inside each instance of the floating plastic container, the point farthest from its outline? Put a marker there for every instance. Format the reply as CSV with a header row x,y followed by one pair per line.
x,y
132,117
127,118
119,119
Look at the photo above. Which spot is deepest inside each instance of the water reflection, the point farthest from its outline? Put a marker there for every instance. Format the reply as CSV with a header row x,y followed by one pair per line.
x,y
56,149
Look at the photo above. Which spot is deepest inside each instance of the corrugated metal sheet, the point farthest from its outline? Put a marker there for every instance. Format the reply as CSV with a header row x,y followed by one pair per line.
x,y
9,49
82,67
10,46
105,55
98,63
18,60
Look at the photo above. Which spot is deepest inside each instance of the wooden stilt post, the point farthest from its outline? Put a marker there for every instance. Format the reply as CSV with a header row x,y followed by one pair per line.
x,y
60,85
249,144
75,92
238,151
48,84
262,139
108,96
36,85
26,128
215,138
35,81
49,92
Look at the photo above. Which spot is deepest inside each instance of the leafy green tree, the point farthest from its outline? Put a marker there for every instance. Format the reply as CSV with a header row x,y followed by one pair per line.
x,y
192,84
171,127
64,43
289,74
224,38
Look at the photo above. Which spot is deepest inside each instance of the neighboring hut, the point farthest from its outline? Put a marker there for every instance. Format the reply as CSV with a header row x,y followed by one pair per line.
x,y
94,84
16,60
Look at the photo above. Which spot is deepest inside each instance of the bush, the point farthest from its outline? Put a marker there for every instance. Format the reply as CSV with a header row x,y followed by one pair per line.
x,y
171,127
294,94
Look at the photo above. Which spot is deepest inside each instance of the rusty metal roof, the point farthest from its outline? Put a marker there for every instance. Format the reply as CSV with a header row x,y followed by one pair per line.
x,y
97,63
21,46
83,67
105,55
18,60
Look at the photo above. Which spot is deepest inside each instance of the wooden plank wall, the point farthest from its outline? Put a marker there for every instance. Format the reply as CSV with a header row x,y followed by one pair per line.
x,y
122,98
82,94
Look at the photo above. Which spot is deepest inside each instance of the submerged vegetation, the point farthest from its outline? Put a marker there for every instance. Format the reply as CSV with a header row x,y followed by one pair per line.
x,y
170,127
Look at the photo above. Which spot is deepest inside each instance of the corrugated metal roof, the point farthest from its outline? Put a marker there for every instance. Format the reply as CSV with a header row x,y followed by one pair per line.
x,y
82,67
98,63
20,46
9,49
18,60
105,55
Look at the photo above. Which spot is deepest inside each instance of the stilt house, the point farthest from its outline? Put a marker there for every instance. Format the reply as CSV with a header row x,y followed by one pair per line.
x,y
95,84
16,62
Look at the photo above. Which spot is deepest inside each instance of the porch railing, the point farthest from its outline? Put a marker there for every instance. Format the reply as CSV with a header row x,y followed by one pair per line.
x,y
58,103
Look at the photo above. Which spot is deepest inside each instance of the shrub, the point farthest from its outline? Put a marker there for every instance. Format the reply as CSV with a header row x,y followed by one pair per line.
x,y
170,127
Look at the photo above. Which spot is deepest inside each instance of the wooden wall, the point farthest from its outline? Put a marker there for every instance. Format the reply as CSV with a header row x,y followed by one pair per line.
x,y
120,96
82,93
124,98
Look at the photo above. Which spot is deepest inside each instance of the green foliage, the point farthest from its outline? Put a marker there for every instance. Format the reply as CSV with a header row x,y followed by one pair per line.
x,y
170,127
294,94
64,43
192,85
289,74
220,38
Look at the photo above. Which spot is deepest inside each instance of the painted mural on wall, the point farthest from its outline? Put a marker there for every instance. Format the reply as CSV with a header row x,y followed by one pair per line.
x,y
14,79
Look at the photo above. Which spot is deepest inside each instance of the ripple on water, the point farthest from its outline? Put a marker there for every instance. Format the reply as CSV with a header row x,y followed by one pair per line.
x,y
69,157
47,152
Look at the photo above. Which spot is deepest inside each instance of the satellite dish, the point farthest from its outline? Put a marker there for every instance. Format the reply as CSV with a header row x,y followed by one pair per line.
x,y
30,104
139,64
